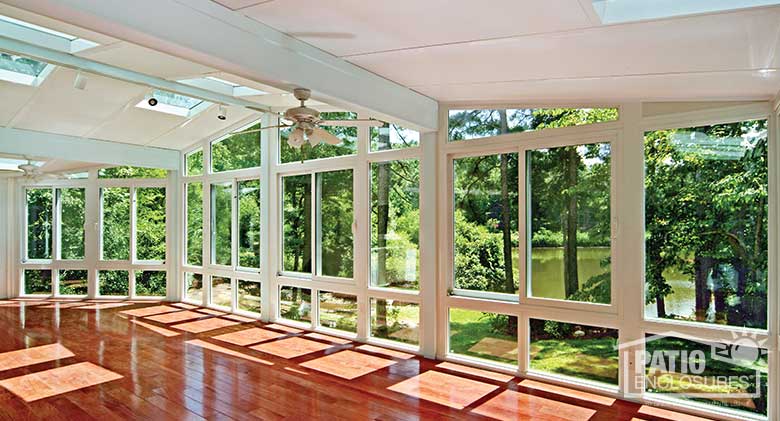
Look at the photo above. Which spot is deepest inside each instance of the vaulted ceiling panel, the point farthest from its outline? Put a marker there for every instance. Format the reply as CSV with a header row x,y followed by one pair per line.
x,y
14,97
203,125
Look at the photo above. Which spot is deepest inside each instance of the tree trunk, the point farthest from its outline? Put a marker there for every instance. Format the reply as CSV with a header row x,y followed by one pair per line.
x,y
702,267
660,306
506,213
719,293
382,219
571,165
306,263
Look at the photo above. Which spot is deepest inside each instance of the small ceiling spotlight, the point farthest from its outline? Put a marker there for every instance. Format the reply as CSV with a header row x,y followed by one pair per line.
x,y
222,113
152,101
80,82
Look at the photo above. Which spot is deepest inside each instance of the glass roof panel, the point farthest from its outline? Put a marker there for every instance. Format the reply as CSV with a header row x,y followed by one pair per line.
x,y
38,28
616,11
20,64
176,100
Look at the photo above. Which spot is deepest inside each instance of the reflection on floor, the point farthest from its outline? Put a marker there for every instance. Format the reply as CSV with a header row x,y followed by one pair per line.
x,y
121,359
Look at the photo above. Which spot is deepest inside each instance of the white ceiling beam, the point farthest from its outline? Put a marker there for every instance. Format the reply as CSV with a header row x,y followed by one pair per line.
x,y
205,32
71,148
71,61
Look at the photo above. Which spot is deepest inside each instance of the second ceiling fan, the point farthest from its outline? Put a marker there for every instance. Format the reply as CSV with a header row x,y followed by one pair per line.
x,y
307,121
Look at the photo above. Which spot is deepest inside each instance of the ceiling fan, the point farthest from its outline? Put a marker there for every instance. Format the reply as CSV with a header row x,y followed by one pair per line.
x,y
33,172
306,124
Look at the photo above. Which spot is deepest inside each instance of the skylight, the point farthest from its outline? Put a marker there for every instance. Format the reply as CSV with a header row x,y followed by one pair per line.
x,y
617,11
22,70
173,103
223,86
42,36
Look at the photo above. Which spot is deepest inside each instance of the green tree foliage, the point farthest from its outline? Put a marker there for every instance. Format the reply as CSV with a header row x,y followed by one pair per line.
x,y
150,223
195,224
150,283
132,172
235,152
116,223
297,207
39,223
336,208
72,223
706,215
249,223
222,208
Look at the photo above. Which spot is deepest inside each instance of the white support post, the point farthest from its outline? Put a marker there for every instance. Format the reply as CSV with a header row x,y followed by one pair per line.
x,y
92,241
175,237
268,216
361,199
5,230
429,246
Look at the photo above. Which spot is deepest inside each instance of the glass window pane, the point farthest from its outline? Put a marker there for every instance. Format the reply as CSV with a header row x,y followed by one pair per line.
x,y
249,223
150,283
706,214
295,303
221,291
37,281
475,124
296,191
390,136
731,376
194,163
194,286
221,223
150,223
395,224
348,146
569,214
338,311
116,223
335,219
21,64
74,282
72,223
114,282
486,221
250,296
132,172
195,224
39,223
489,336
395,320
237,151
584,352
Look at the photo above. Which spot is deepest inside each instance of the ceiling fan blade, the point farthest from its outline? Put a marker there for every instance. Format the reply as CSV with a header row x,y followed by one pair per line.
x,y
319,135
260,129
297,138
353,123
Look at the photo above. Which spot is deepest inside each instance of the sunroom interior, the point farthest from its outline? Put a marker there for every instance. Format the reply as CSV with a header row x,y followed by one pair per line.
x,y
288,209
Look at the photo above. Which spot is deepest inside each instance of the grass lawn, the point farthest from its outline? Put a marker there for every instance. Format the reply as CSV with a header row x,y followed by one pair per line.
x,y
471,334
589,359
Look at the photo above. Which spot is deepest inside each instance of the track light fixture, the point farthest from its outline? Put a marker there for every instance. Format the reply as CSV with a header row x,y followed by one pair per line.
x,y
80,82
222,113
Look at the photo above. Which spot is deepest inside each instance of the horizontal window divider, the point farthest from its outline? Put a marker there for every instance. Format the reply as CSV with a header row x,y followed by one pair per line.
x,y
557,142
318,285
241,269
132,182
185,179
130,266
394,155
37,263
248,276
148,263
82,183
521,138
717,333
250,314
70,296
481,363
292,323
395,294
574,383
333,279
244,173
225,272
723,115
335,332
187,268
317,165
295,275
534,311
486,295
569,305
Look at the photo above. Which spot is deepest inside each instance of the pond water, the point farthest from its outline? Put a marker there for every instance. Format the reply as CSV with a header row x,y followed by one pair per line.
x,y
547,270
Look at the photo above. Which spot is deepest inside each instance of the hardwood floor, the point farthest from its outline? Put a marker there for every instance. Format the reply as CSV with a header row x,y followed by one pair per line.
x,y
124,360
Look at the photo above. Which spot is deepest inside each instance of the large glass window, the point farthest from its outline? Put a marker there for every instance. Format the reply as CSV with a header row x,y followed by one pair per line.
x,y
72,214
249,223
486,223
150,223
74,282
193,289
395,320
338,311
37,281
295,303
297,211
575,350
569,215
706,209
249,296
237,151
114,282
115,223
39,223
475,124
221,223
348,135
731,376
390,136
335,223
489,336
150,283
193,163
395,224
221,291
195,224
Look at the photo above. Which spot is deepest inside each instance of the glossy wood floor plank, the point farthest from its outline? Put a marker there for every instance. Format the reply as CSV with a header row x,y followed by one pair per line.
x,y
244,370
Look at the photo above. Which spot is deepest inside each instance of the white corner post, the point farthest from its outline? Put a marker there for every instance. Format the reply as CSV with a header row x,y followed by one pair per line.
x,y
429,275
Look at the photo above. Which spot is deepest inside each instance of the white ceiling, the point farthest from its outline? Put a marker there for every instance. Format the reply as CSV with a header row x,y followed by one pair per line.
x,y
557,50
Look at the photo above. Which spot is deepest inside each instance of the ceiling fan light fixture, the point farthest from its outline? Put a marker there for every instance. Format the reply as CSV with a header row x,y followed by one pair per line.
x,y
297,138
